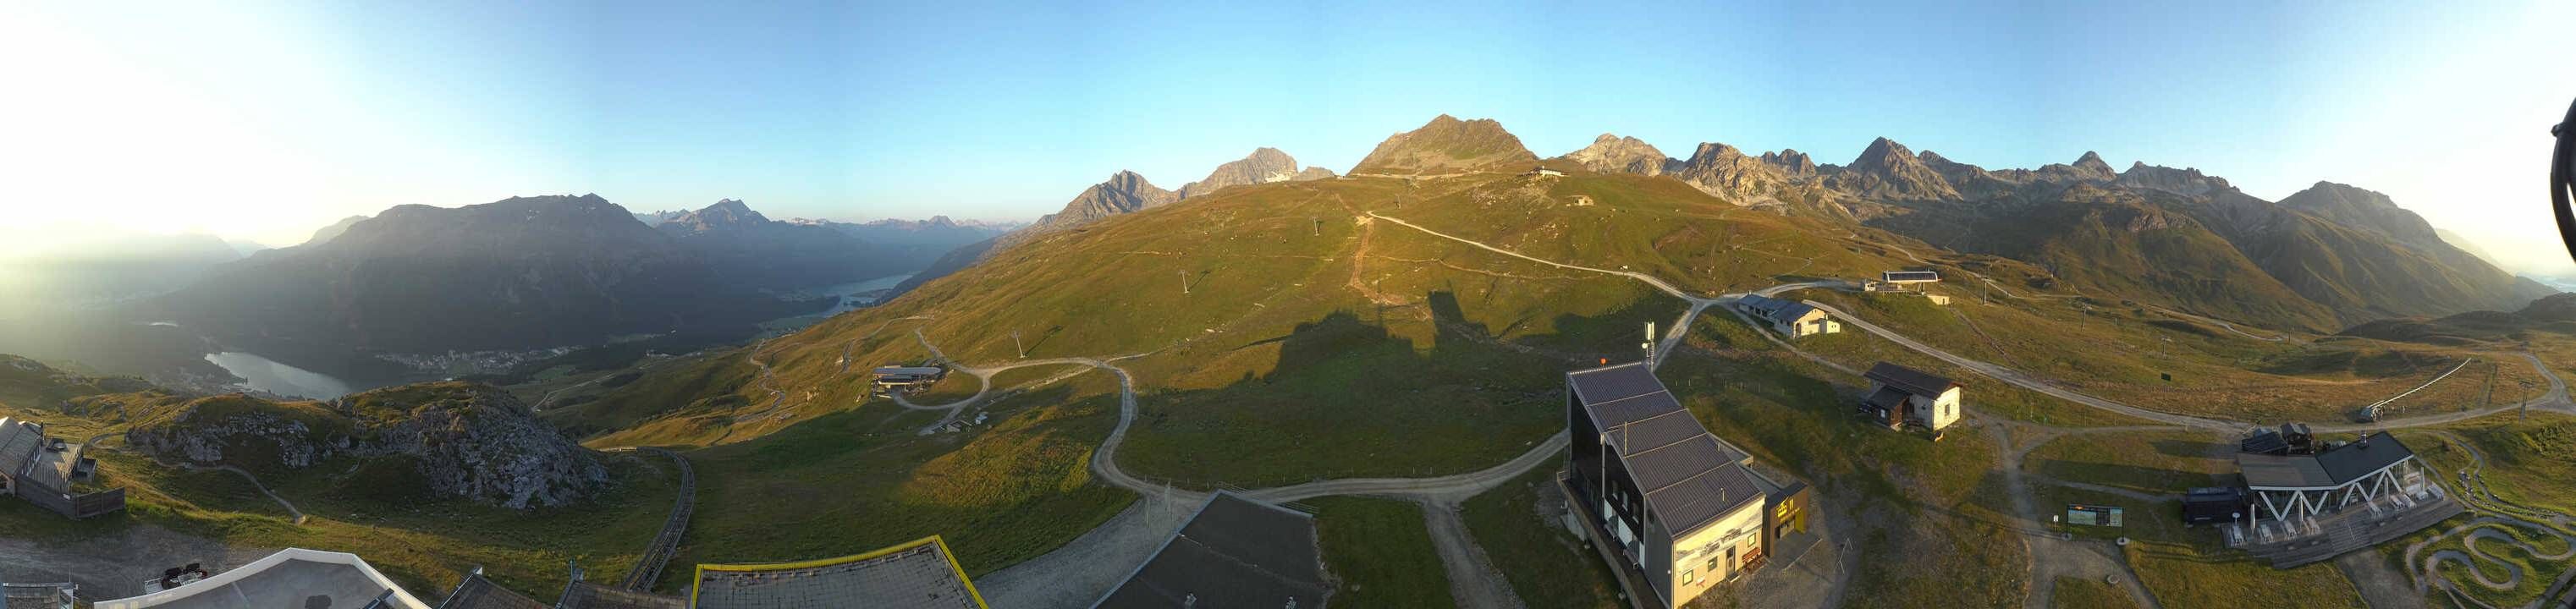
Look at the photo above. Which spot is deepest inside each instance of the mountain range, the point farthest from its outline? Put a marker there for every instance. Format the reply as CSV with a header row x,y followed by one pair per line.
x,y
534,272
2321,259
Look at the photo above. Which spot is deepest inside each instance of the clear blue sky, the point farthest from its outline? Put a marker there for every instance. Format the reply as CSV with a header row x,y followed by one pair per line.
x,y
268,120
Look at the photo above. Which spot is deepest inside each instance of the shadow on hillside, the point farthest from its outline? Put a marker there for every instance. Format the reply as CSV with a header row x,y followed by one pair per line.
x,y
2185,448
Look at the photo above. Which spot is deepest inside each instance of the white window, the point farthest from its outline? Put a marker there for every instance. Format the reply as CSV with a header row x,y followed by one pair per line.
x,y
1690,576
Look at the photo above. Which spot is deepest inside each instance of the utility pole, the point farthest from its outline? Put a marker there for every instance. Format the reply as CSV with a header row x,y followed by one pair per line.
x,y
1015,343
1185,283
1319,227
1650,345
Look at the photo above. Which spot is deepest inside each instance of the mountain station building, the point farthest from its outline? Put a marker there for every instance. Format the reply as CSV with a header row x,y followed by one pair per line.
x,y
1901,396
50,473
1790,318
1663,501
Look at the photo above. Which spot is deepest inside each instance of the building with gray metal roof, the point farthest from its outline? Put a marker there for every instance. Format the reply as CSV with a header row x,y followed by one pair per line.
x,y
1235,552
2295,486
47,472
1899,396
293,577
1673,504
920,573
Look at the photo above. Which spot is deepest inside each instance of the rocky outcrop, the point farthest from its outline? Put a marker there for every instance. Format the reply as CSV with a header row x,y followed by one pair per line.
x,y
1447,145
1613,154
465,440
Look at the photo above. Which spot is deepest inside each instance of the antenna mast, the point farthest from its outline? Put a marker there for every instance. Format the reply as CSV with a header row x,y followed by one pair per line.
x,y
1649,345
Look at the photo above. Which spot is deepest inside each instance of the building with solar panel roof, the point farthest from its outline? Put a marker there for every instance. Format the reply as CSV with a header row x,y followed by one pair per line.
x,y
1675,510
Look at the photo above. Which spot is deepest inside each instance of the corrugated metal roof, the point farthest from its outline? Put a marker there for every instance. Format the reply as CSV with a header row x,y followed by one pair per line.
x,y
1790,314
1614,383
1888,399
1909,380
19,441
2352,461
1688,476
1235,552
2331,468
2275,471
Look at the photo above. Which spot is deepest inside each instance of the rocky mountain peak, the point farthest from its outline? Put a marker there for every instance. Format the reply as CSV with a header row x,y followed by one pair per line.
x,y
1611,153
1124,192
1723,170
1887,169
1263,166
1885,155
1448,145
1791,162
2092,166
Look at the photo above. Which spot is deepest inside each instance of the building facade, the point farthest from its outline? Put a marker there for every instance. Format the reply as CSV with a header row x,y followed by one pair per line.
x,y
1667,503
1901,396
49,472
1791,319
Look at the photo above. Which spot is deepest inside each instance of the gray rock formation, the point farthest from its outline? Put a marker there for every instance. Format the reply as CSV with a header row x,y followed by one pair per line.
x,y
466,440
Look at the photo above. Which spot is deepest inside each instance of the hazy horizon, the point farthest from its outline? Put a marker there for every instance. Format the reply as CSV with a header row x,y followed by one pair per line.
x,y
266,122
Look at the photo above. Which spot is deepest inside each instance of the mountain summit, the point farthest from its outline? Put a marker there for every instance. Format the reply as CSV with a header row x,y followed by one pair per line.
x,y
1448,145
1264,165
1611,153
1888,170
1124,192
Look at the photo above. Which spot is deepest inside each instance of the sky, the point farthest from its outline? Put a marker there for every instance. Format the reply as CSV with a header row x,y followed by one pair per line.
x,y
265,121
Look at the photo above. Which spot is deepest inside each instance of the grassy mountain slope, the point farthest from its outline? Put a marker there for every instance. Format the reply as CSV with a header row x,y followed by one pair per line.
x,y
2117,243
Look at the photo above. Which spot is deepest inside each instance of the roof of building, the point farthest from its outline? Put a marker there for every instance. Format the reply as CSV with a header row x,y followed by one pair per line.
x,y
1909,276
293,577
920,573
36,596
1760,304
1887,398
1909,380
475,592
1235,552
2327,469
1790,314
20,441
1690,478
587,595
